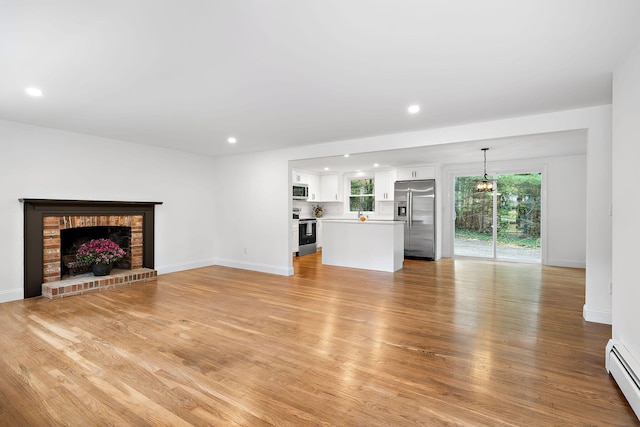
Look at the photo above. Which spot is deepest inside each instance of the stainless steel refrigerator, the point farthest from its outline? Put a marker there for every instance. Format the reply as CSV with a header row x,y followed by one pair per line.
x,y
414,203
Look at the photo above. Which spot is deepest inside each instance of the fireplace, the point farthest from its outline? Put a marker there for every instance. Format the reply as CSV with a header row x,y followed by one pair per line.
x,y
54,228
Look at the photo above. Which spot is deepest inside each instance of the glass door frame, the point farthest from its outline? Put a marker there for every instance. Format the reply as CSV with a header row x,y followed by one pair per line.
x,y
494,170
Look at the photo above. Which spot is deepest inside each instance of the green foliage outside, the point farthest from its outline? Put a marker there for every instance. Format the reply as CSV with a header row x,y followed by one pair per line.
x,y
362,196
518,205
527,242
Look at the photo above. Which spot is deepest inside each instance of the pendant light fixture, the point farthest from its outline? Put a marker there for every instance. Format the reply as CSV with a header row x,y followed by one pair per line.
x,y
486,185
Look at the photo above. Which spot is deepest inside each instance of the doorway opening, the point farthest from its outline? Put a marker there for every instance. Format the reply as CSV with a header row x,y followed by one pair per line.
x,y
503,224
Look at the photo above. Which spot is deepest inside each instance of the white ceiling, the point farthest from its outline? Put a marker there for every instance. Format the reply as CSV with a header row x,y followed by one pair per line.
x,y
554,144
187,74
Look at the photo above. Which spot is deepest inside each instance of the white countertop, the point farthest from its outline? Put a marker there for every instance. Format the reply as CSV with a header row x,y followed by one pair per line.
x,y
368,221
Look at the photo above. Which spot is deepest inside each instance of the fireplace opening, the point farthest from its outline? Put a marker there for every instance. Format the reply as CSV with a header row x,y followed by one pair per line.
x,y
72,238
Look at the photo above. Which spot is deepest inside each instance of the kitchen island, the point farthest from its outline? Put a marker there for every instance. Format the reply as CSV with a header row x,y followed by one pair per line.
x,y
371,244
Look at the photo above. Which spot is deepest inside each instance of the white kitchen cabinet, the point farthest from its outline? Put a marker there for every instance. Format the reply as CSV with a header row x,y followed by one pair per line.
x,y
299,177
329,188
420,172
319,233
372,245
295,227
384,182
313,181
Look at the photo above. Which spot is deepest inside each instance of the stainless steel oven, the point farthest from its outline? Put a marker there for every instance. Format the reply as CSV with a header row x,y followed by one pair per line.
x,y
307,236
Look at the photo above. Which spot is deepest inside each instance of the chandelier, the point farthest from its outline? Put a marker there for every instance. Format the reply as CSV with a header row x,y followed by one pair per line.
x,y
486,184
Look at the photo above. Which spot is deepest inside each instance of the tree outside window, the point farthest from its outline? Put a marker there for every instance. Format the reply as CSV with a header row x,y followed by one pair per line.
x,y
361,195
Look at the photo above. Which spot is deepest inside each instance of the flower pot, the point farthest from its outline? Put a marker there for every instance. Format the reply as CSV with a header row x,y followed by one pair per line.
x,y
101,269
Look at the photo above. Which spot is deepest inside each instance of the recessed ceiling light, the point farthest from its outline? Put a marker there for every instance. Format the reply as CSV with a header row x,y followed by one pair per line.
x,y
326,169
346,155
232,140
33,91
375,165
413,109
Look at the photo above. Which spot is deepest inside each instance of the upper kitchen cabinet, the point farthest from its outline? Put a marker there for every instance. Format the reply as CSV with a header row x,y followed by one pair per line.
x,y
299,177
384,183
420,172
313,181
330,188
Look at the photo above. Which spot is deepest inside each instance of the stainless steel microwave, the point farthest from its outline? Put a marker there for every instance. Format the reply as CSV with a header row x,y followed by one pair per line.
x,y
300,191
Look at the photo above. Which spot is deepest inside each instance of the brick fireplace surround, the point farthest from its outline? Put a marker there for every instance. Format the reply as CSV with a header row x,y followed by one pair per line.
x,y
44,221
53,225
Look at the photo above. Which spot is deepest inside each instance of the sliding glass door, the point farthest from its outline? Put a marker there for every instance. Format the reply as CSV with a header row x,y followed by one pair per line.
x,y
503,224
474,220
519,198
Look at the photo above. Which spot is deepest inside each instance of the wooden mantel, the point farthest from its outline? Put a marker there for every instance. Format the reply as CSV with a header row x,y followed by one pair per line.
x,y
63,203
36,209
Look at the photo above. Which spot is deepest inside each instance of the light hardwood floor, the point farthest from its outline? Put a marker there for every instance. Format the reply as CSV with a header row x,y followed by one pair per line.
x,y
454,342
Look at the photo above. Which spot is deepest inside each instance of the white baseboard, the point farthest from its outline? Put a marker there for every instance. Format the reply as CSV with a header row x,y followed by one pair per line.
x,y
263,268
11,295
596,316
566,263
164,269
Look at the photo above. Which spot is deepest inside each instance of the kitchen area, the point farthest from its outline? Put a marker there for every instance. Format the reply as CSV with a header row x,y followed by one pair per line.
x,y
371,219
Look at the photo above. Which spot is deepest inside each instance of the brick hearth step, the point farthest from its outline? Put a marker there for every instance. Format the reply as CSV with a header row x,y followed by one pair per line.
x,y
88,282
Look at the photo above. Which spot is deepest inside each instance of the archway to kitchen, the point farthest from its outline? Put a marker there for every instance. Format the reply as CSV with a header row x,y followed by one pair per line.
x,y
560,157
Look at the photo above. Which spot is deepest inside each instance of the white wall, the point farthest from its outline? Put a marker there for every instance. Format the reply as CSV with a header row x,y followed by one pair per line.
x,y
253,211
626,203
597,307
44,163
566,233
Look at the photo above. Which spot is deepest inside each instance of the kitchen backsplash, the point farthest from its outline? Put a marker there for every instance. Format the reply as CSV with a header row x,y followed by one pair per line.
x,y
384,210
305,208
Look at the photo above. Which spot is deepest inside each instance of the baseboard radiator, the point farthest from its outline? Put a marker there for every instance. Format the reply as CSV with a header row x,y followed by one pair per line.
x,y
625,370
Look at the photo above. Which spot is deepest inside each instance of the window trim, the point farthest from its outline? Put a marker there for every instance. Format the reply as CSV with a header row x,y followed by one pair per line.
x,y
347,191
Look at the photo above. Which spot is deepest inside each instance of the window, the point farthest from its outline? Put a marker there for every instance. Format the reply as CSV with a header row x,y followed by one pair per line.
x,y
361,195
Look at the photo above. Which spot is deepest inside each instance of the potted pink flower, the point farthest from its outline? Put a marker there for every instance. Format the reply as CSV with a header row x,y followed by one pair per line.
x,y
101,254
